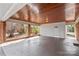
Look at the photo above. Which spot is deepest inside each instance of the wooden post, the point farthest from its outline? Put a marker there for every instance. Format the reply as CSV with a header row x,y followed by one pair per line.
x,y
2,31
29,30
77,31
29,19
77,34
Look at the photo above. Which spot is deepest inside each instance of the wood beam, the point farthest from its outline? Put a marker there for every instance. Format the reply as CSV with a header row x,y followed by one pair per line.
x,y
29,22
77,20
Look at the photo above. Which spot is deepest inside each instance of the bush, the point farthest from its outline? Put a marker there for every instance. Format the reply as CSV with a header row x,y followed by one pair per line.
x,y
70,28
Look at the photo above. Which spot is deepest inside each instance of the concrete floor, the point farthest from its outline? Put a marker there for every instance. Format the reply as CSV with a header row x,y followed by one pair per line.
x,y
40,46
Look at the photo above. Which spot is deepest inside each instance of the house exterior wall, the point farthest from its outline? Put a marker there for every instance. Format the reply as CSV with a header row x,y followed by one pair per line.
x,y
53,29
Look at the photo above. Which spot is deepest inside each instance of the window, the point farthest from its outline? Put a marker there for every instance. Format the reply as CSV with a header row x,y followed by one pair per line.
x,y
16,30
34,30
20,30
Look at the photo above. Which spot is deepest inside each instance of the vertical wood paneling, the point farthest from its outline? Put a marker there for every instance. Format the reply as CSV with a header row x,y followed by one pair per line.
x,y
2,31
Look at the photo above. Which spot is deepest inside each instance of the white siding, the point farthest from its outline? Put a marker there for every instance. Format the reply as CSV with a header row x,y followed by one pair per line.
x,y
53,29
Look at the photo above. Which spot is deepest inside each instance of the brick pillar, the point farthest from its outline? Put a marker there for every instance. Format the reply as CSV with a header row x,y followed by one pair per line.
x,y
2,31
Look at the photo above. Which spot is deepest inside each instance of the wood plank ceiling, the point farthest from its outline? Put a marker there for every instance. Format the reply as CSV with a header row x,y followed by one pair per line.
x,y
54,12
47,13
77,10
